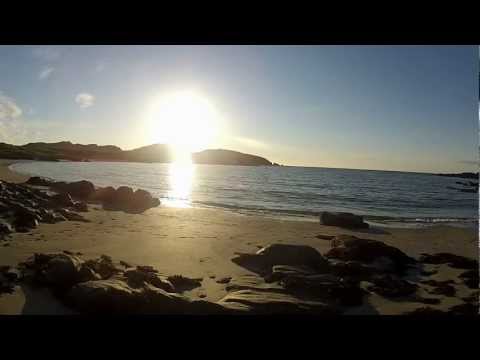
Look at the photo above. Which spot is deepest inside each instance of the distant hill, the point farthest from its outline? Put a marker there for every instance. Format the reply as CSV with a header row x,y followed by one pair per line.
x,y
228,157
159,153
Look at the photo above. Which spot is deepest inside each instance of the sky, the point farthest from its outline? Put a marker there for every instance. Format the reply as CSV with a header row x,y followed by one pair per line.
x,y
405,108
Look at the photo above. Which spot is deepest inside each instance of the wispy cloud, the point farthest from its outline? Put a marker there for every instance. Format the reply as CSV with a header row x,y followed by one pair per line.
x,y
85,100
45,73
13,128
46,53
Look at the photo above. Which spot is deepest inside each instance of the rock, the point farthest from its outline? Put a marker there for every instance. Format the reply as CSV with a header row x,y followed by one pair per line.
x,y
224,280
262,302
382,257
455,261
5,228
428,301
103,266
71,216
61,200
342,219
105,194
125,264
352,269
252,282
105,297
80,206
282,254
87,274
39,181
125,199
78,189
115,296
428,273
470,278
447,290
63,270
183,283
392,286
25,221
437,283
137,277
280,272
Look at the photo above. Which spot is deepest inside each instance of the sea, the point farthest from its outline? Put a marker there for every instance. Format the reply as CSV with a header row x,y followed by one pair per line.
x,y
389,198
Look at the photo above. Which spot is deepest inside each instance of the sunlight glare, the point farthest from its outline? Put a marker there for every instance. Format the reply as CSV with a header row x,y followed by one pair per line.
x,y
184,120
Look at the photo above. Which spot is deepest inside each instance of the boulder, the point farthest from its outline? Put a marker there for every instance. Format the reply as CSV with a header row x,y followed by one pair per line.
x,y
470,278
342,219
25,221
263,302
78,189
125,199
63,270
61,200
80,206
137,277
468,309
381,257
282,254
425,311
183,283
5,227
455,261
39,181
71,216
105,194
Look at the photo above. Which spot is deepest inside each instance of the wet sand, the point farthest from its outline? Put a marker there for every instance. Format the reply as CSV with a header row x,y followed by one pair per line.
x,y
201,242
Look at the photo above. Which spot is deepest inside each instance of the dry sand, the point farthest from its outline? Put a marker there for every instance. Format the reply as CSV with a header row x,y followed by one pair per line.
x,y
200,243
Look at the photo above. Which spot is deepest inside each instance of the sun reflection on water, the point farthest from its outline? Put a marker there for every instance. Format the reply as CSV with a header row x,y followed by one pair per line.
x,y
180,177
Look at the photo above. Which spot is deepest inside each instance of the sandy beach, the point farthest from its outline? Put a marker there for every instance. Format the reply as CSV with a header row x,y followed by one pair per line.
x,y
201,242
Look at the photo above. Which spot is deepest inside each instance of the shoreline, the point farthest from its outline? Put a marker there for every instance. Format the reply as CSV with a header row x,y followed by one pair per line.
x,y
201,242
293,215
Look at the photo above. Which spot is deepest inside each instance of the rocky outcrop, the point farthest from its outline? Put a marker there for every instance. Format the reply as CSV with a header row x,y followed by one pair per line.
x,y
78,189
23,207
281,254
342,219
378,255
125,199
454,261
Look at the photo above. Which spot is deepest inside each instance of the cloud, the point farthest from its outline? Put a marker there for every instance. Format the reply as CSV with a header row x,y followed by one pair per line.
x,y
8,108
46,53
85,100
45,73
13,128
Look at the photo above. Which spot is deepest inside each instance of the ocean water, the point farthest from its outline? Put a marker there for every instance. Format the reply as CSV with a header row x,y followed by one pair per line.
x,y
381,196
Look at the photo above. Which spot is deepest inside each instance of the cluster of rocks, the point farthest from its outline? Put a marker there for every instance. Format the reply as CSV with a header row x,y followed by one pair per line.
x,y
122,199
40,200
299,279
103,286
23,207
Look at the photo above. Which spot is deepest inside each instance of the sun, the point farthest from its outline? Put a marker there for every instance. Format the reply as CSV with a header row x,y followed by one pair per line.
x,y
185,120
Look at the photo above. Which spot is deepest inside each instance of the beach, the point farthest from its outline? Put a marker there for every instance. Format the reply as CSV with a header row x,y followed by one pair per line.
x,y
200,243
